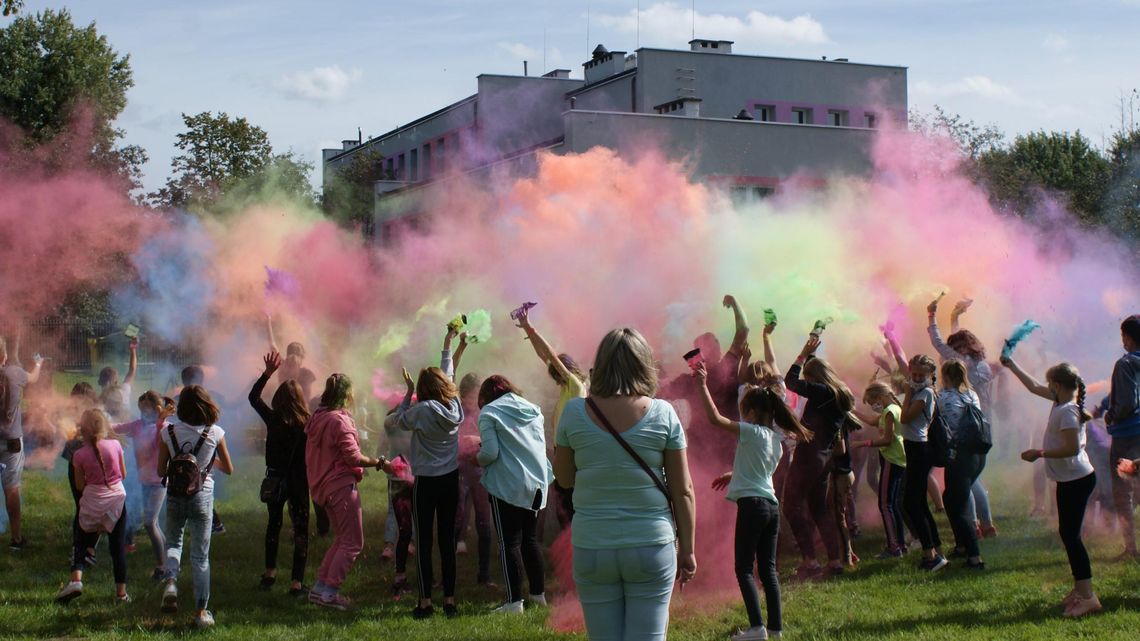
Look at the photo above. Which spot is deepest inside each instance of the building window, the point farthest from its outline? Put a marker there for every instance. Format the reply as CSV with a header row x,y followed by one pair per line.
x,y
440,151
869,121
428,169
765,113
837,118
390,174
760,193
402,169
801,116
414,164
745,195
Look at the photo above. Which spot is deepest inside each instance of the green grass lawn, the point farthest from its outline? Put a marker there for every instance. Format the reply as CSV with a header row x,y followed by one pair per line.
x,y
1015,598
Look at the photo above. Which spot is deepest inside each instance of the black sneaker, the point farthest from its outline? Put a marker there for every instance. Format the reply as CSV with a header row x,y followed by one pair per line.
x,y
450,610
267,582
300,592
934,565
423,613
219,527
18,546
957,553
400,588
974,565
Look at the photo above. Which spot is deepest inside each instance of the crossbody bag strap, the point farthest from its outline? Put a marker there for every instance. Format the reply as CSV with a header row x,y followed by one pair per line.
x,y
633,453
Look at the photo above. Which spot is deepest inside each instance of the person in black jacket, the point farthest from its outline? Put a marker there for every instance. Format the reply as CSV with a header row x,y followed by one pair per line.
x,y
828,402
285,459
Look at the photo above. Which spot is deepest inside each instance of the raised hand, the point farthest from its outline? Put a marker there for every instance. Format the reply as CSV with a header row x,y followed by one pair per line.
x,y
272,362
408,379
810,346
721,482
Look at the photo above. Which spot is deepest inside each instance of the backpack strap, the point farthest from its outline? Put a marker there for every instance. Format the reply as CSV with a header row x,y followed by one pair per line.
x,y
177,451
202,441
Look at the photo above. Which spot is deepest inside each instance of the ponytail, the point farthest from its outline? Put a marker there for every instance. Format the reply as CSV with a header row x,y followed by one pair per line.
x,y
1081,411
784,419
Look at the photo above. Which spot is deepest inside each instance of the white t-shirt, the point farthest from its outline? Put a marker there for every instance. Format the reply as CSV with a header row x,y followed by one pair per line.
x,y
187,438
1065,417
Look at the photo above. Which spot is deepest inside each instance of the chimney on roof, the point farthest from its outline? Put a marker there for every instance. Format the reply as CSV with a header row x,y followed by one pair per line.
x,y
603,64
710,46
557,73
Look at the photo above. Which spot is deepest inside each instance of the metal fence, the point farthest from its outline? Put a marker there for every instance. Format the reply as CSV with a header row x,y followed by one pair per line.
x,y
69,346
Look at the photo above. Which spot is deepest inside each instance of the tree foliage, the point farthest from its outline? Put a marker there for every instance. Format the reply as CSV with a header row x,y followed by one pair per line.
x,y
973,139
65,85
348,193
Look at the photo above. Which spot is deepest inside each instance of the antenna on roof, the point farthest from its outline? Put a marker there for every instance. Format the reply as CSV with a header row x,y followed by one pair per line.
x,y
694,13
587,28
359,136
544,49
638,25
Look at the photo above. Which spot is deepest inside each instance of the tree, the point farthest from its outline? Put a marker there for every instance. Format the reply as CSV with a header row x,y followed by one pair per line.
x,y
1122,197
284,176
973,139
348,194
1058,162
218,153
56,79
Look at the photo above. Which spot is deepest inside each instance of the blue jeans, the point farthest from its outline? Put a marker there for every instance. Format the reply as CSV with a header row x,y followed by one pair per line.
x,y
979,503
153,497
625,592
195,512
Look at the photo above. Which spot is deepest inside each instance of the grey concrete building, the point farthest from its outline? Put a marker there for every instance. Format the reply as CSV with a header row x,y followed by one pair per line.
x,y
743,122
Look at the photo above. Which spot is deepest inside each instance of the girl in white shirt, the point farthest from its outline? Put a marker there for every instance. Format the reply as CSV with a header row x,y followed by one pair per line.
x,y
1066,463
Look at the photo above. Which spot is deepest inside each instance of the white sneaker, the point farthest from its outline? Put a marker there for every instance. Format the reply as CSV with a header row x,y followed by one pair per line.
x,y
170,597
69,592
538,599
759,633
204,620
510,608
461,547
774,634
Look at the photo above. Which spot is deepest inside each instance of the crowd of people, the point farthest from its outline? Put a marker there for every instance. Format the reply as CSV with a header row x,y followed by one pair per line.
x,y
612,459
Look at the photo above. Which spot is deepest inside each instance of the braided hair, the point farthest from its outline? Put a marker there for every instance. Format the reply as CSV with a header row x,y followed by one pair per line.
x,y
1067,376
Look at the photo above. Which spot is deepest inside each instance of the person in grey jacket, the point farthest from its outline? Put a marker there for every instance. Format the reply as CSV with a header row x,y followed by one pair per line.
x,y
516,474
1123,421
434,423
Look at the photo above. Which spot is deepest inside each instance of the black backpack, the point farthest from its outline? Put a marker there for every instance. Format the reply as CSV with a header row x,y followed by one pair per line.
x,y
941,440
973,433
183,478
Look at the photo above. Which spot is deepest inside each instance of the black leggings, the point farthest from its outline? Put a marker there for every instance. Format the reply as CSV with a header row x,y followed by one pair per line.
x,y
435,498
806,487
84,541
1072,498
891,478
960,476
918,466
757,530
402,508
298,500
518,545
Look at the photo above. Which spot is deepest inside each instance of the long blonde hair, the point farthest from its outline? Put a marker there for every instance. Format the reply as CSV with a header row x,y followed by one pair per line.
x,y
881,389
94,427
819,371
955,377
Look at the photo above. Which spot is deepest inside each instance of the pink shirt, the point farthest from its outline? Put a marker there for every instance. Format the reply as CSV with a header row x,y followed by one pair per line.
x,y
144,434
86,460
331,453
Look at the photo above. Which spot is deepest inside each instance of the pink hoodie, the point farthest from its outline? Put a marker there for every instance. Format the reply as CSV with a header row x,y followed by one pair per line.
x,y
331,453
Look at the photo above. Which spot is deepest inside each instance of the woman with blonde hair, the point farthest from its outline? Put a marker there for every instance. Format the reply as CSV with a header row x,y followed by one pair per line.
x,y
99,473
616,448
965,464
828,402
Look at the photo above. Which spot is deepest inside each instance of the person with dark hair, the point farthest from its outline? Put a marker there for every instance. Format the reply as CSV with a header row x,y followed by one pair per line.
x,y
196,432
293,365
13,380
195,375
285,461
335,465
516,473
434,422
765,420
567,374
145,438
99,473
828,402
1066,463
964,346
116,395
1123,421
953,402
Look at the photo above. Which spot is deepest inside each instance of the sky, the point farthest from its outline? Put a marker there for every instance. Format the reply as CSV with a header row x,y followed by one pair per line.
x,y
311,73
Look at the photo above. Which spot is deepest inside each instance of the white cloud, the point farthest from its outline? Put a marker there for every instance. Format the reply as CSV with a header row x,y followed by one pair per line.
x,y
321,84
521,51
1056,43
669,24
976,86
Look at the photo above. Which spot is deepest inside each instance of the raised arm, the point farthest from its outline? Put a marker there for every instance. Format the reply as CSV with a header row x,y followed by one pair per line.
x,y
741,334
1028,381
793,381
34,375
458,356
897,353
269,332
542,349
745,361
272,362
133,363
940,346
959,308
711,412
769,353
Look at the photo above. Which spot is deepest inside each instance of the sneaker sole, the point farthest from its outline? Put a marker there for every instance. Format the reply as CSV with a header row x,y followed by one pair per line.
x,y
938,568
68,598
169,604
333,606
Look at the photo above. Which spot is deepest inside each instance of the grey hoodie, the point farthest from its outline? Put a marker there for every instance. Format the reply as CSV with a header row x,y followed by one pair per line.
x,y
435,435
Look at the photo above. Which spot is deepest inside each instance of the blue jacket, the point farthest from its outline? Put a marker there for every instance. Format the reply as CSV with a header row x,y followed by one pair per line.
x,y
513,451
